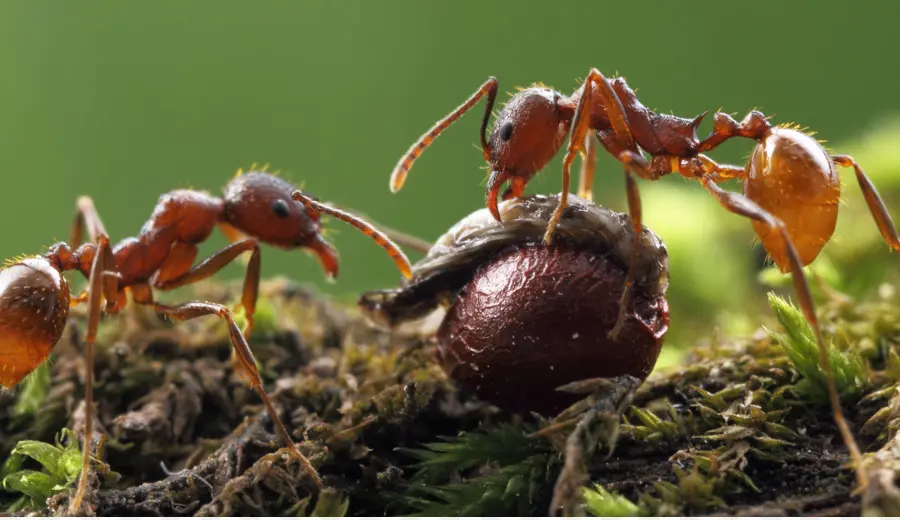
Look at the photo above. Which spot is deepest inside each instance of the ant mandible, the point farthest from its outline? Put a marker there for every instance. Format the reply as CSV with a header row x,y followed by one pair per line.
x,y
35,300
791,187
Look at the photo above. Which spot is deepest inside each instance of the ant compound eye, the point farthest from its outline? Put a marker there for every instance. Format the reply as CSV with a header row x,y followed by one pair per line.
x,y
506,131
280,208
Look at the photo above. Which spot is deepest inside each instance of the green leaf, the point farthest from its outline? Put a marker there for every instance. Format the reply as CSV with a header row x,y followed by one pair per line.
x,y
34,484
12,464
600,502
62,465
46,454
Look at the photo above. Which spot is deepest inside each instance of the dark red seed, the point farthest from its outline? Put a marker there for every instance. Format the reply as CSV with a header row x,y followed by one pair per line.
x,y
535,319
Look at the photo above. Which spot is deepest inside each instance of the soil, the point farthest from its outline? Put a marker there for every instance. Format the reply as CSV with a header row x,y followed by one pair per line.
x,y
185,436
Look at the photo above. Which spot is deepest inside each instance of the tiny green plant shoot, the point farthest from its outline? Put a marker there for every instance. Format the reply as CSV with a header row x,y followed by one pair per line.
x,y
800,346
61,466
600,502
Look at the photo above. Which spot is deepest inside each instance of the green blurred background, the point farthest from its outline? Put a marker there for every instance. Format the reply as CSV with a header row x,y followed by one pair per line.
x,y
124,101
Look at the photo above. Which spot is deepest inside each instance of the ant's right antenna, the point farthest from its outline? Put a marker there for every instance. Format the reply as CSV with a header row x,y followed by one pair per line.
x,y
369,230
398,177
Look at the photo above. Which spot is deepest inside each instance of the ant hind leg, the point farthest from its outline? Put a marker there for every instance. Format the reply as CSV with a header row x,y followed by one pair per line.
x,y
247,364
103,284
741,205
876,205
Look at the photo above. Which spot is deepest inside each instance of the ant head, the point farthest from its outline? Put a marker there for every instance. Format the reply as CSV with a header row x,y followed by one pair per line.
x,y
527,133
34,307
260,205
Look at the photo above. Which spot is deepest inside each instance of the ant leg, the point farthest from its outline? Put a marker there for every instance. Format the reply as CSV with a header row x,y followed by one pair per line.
x,y
213,264
197,309
876,205
75,301
98,289
232,234
634,162
588,165
634,212
741,205
489,87
580,125
563,200
393,250
86,216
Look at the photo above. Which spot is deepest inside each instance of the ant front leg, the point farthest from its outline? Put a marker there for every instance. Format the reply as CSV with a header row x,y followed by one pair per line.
x,y
619,141
741,205
580,126
873,200
197,309
165,281
231,233
588,166
103,284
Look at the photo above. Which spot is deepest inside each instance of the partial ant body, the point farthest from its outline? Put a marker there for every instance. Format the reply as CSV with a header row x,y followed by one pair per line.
x,y
526,324
791,187
35,300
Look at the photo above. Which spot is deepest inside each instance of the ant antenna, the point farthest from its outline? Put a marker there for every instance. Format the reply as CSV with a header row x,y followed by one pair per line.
x,y
398,177
393,250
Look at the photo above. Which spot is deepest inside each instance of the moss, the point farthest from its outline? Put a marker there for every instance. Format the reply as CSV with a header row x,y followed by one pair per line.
x,y
733,429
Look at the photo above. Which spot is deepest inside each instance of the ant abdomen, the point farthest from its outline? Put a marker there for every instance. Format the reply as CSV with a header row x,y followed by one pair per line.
x,y
791,176
34,306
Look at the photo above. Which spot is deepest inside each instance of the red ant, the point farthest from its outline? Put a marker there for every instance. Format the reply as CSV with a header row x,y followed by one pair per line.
x,y
35,300
791,187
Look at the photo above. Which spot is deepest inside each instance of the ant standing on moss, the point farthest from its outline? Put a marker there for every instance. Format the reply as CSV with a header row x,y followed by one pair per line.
x,y
35,299
791,187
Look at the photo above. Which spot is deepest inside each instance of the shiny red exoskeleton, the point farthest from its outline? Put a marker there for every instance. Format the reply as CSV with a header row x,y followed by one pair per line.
x,y
791,189
34,296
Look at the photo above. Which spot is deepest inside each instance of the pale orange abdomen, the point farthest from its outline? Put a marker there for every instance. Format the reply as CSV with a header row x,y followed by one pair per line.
x,y
792,176
34,306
